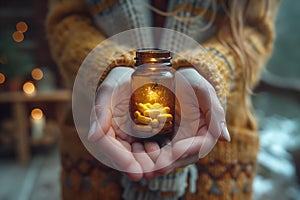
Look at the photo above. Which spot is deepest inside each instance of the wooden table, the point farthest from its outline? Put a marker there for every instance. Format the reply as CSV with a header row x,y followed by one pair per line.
x,y
19,100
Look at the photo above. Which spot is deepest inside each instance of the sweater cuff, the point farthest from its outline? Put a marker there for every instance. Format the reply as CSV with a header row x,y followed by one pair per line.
x,y
212,65
122,57
103,59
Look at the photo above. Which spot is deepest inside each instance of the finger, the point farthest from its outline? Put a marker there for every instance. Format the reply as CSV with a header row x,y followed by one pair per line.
x,y
186,161
122,132
119,121
153,150
202,127
186,129
211,107
102,112
165,160
189,146
199,145
206,100
189,151
143,159
122,159
97,128
208,144
186,108
121,93
101,115
125,143
225,136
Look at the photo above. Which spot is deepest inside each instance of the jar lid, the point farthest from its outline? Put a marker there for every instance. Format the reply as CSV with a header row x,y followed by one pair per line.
x,y
152,55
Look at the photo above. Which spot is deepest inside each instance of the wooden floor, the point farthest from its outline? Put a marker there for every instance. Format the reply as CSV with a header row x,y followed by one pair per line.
x,y
35,181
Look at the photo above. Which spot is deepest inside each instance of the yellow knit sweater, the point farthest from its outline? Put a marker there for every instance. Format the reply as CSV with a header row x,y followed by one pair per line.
x,y
228,171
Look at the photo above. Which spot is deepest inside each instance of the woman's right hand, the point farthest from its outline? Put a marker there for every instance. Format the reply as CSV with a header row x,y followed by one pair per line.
x,y
110,128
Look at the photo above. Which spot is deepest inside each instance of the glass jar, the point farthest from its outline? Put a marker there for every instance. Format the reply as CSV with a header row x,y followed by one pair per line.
x,y
152,104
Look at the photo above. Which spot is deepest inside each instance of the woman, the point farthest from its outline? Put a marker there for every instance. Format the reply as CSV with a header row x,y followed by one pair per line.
x,y
238,36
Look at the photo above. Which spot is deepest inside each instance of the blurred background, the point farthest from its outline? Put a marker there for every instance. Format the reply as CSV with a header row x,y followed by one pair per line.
x,y
32,95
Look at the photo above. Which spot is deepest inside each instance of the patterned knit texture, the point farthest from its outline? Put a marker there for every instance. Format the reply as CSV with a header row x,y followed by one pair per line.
x,y
113,17
168,187
226,173
74,29
200,26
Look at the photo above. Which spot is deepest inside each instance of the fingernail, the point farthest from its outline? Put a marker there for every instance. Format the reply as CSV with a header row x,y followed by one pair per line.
x,y
201,154
92,131
225,133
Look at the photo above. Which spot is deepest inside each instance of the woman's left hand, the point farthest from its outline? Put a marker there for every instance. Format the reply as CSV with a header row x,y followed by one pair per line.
x,y
202,123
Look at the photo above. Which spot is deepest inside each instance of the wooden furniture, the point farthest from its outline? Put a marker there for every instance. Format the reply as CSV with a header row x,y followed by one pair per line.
x,y
19,101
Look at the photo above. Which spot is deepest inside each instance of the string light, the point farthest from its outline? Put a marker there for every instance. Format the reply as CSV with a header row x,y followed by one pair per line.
x,y
29,88
2,78
37,74
37,114
18,36
22,27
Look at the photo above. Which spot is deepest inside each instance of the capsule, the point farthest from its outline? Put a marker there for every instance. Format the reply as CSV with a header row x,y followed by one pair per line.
x,y
154,123
162,118
137,114
139,119
142,108
153,113
165,125
156,106
149,105
165,110
142,128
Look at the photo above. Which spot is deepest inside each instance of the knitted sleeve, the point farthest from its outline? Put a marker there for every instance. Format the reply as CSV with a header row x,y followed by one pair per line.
x,y
225,66
72,36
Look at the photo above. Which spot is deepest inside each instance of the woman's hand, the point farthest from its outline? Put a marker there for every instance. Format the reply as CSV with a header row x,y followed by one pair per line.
x,y
110,127
202,122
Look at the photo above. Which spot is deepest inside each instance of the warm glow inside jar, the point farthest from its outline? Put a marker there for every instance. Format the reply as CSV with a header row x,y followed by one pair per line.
x,y
152,104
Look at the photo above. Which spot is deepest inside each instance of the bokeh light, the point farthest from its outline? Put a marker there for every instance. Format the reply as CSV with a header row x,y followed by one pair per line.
x,y
2,78
22,27
37,74
29,88
37,114
18,36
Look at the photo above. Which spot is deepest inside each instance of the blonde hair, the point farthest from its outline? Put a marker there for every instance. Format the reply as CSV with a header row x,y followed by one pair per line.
x,y
249,57
175,12
236,16
235,27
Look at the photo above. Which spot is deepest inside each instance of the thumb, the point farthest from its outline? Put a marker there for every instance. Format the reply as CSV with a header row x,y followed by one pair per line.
x,y
101,115
214,112
209,103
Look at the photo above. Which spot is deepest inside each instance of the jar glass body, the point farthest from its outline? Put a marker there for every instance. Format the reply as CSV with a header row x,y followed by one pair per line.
x,y
152,104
